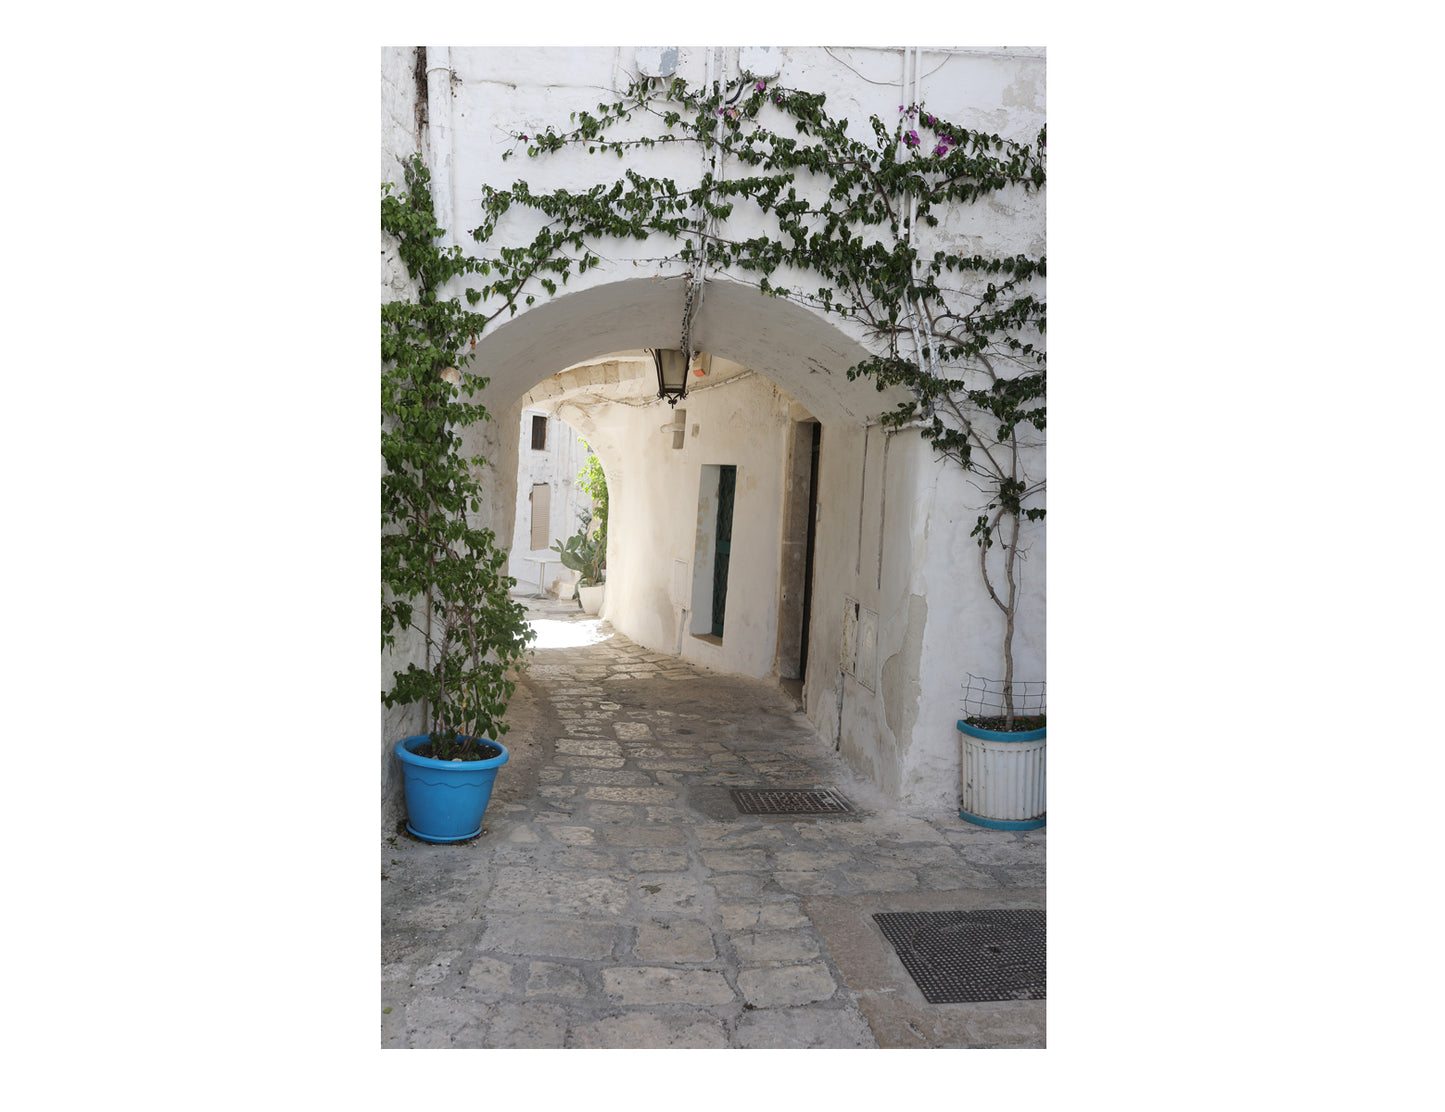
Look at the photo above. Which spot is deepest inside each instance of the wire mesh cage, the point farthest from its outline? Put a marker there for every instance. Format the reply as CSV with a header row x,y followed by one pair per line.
x,y
989,701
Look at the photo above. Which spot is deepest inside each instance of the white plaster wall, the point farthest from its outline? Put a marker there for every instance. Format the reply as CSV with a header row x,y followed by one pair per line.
x,y
967,636
398,109
893,535
557,465
495,94
934,621
398,142
736,418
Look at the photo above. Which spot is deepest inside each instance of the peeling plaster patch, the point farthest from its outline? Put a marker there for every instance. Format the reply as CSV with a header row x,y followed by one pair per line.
x,y
419,79
1023,93
1002,207
656,61
862,757
900,673
760,61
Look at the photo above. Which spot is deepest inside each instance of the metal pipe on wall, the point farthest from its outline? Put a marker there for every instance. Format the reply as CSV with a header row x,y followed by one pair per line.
x,y
439,138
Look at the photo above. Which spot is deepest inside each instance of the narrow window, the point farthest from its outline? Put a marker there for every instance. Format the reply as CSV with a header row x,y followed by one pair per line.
x,y
539,434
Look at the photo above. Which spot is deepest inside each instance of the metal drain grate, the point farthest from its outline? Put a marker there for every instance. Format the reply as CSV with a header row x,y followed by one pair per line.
x,y
960,957
790,801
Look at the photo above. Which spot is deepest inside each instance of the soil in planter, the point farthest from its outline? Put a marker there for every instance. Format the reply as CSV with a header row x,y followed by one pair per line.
x,y
1022,723
454,750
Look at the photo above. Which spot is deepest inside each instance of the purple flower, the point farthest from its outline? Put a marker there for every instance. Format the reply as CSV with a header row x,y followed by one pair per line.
x,y
911,139
761,86
524,139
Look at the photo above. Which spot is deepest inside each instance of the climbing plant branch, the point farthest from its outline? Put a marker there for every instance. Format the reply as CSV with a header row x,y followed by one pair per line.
x,y
963,333
442,578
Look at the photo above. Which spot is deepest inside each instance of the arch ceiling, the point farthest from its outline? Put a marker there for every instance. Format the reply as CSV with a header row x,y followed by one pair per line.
x,y
802,351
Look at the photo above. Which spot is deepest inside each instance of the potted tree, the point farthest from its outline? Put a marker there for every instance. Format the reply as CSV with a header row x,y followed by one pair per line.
x,y
444,588
585,552
1002,781
476,634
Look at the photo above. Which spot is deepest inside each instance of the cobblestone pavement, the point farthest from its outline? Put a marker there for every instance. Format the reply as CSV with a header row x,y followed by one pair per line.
x,y
617,898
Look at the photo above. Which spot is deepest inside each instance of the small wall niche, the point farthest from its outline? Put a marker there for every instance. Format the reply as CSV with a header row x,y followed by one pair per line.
x,y
860,642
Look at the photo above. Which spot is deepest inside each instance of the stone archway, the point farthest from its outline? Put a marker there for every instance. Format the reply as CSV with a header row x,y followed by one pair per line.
x,y
798,360
892,624
788,376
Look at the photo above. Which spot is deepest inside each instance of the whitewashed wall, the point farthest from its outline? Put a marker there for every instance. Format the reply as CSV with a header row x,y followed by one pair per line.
x,y
659,512
894,523
399,141
556,466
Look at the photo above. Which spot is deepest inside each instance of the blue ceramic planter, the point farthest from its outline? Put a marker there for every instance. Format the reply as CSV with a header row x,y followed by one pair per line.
x,y
445,800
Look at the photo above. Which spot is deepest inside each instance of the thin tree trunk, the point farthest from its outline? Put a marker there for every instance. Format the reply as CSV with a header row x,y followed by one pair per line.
x,y
1010,555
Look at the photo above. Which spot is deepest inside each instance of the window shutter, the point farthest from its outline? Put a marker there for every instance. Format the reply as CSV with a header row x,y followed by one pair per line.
x,y
541,515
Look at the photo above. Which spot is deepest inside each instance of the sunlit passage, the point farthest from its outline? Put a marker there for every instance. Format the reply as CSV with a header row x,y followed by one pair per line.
x,y
567,635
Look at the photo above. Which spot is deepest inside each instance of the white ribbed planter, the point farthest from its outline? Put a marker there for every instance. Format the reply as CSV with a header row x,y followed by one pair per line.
x,y
591,598
1002,776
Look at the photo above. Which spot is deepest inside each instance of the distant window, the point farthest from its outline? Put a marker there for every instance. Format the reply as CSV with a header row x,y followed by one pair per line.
x,y
541,515
539,434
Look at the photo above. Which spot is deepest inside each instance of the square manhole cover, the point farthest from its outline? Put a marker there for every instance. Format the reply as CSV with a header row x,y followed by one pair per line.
x,y
790,801
961,957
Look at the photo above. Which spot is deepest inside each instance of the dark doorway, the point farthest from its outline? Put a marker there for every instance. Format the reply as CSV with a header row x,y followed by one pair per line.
x,y
726,485
812,539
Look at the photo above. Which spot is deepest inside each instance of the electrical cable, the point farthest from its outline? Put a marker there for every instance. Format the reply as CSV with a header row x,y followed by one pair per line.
x,y
870,80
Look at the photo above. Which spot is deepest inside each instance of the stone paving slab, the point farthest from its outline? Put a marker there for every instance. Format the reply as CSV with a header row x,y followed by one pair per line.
x,y
889,998
616,899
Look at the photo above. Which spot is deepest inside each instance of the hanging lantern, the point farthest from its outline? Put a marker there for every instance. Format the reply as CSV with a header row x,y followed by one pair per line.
x,y
671,373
